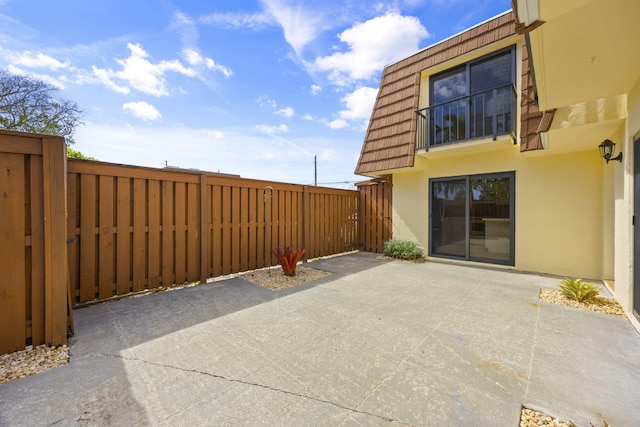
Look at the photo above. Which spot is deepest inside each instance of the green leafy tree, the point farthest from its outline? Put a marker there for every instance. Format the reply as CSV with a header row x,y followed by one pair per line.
x,y
30,105
75,154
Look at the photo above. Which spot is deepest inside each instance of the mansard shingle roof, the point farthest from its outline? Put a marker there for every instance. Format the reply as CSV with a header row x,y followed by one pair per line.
x,y
390,139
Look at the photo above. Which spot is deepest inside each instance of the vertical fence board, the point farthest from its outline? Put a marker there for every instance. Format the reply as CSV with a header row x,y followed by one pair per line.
x,y
36,284
168,240
181,232
281,216
73,248
106,259
244,229
123,236
261,228
193,227
225,247
88,256
205,234
154,248
54,169
253,257
235,229
139,235
12,252
216,230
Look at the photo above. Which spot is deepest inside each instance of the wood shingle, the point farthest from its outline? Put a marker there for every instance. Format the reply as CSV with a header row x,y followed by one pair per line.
x,y
390,139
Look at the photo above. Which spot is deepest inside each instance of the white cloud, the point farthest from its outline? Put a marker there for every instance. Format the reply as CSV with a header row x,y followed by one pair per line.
x,y
371,45
190,52
358,108
58,83
194,58
300,25
139,73
307,117
272,129
359,104
254,21
264,101
34,60
142,110
338,124
315,89
103,77
287,112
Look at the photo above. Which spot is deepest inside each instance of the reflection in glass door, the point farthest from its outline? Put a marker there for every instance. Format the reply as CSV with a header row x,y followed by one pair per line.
x,y
490,219
448,207
472,218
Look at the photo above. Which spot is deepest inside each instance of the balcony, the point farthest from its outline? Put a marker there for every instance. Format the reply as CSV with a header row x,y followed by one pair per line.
x,y
484,114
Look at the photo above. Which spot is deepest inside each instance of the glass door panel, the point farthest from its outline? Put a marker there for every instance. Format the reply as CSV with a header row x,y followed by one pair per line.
x,y
448,217
472,218
490,219
449,115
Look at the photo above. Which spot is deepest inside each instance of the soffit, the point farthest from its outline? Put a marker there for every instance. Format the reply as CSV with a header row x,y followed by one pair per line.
x,y
585,50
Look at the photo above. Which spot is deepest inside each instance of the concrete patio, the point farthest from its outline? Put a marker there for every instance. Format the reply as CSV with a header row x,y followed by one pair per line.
x,y
378,342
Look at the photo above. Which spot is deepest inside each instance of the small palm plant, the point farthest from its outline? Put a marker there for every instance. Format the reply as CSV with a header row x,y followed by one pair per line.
x,y
578,291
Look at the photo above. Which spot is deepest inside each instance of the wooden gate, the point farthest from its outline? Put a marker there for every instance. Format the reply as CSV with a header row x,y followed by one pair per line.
x,y
375,224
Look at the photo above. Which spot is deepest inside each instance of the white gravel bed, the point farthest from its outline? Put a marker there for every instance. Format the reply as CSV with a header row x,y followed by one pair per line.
x,y
274,278
32,360
599,304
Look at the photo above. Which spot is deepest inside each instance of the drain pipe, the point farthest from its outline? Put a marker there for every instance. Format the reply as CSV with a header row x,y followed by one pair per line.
x,y
264,201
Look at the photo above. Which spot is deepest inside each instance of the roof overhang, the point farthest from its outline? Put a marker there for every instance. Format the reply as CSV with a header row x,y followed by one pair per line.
x,y
582,50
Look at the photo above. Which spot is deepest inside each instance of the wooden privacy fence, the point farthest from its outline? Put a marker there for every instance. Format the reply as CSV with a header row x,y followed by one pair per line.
x,y
140,228
375,225
74,231
33,272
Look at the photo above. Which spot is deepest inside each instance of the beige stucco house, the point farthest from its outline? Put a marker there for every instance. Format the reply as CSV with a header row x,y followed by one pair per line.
x,y
491,139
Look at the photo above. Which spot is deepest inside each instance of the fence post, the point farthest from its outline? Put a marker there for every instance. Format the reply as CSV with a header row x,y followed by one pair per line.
x,y
305,222
204,230
54,162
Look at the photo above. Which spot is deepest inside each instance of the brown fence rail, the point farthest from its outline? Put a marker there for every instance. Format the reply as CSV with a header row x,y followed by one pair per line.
x,y
137,228
33,273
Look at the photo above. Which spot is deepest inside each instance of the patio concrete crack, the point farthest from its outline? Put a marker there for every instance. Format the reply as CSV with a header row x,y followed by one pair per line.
x,y
533,351
249,383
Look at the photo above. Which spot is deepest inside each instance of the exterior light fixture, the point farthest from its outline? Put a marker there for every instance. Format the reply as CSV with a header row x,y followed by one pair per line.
x,y
607,148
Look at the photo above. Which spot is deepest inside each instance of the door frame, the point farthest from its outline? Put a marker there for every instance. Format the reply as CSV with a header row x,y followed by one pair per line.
x,y
636,228
512,215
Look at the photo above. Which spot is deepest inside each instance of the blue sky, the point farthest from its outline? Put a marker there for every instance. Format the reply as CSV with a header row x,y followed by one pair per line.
x,y
254,88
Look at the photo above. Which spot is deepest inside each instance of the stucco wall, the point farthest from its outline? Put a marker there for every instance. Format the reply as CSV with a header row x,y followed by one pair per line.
x,y
623,201
559,215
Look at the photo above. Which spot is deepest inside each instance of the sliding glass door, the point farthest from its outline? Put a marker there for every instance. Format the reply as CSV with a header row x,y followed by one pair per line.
x,y
472,218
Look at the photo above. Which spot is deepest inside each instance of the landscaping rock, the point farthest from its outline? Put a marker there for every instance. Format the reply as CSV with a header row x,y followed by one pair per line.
x,y
32,360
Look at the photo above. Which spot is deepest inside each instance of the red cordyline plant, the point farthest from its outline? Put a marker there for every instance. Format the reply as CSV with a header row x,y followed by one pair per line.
x,y
289,259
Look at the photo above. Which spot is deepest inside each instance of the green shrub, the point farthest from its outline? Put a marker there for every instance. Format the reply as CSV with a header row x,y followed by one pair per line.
x,y
578,291
402,249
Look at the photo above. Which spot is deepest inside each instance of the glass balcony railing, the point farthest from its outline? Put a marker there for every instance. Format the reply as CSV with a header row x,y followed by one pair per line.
x,y
484,114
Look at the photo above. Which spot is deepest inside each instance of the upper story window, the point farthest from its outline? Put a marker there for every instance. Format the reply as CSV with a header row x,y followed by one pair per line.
x,y
473,100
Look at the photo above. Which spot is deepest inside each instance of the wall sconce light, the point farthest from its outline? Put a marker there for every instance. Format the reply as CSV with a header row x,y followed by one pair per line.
x,y
607,149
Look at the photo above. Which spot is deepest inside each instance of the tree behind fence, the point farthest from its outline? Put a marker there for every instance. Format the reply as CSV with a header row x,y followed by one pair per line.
x,y
136,228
